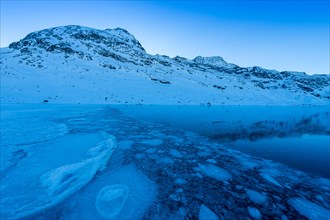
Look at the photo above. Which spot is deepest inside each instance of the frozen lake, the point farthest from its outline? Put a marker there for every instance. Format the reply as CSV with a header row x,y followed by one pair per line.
x,y
162,162
296,136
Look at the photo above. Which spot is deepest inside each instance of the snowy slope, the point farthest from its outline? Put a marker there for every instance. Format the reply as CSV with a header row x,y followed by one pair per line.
x,y
74,64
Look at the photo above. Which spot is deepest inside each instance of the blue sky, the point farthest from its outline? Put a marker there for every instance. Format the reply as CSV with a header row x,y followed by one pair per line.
x,y
282,35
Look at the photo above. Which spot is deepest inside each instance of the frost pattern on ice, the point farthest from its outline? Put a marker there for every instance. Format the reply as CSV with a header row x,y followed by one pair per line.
x,y
309,209
67,179
59,183
121,193
111,199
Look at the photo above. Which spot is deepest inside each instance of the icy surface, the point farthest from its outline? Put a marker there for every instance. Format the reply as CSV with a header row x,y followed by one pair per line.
x,y
176,153
309,209
270,179
111,199
255,196
215,172
120,193
153,142
107,165
206,214
254,213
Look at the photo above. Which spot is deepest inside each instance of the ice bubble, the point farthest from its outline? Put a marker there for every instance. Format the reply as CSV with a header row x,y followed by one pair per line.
x,y
111,199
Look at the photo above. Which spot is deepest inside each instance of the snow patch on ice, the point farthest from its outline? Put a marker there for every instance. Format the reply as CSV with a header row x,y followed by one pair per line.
x,y
309,209
206,214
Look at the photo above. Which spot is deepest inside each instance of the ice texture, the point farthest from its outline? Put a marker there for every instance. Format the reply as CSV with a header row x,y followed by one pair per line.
x,y
270,179
211,161
111,199
180,181
176,153
254,213
309,209
56,185
72,176
206,214
153,142
120,193
215,172
255,196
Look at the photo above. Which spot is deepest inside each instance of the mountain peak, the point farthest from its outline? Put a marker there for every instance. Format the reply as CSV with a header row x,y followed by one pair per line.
x,y
212,61
72,36
125,35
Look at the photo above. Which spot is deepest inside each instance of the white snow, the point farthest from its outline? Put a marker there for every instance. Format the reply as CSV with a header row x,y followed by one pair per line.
x,y
215,172
309,209
124,73
206,214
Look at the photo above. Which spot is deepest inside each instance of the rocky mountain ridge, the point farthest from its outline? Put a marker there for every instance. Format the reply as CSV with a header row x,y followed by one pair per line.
x,y
75,64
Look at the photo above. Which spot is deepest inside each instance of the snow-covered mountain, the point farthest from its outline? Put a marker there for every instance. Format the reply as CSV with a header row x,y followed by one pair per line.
x,y
74,64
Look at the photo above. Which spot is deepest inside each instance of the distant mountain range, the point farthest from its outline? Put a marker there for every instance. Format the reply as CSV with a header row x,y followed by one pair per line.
x,y
75,64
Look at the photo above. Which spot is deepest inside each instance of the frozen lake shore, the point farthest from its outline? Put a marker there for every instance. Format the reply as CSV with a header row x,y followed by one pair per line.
x,y
94,162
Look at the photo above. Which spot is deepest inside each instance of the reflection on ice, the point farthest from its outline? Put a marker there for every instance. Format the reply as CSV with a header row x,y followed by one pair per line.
x,y
270,132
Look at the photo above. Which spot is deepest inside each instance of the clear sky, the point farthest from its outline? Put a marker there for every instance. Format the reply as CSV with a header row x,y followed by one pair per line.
x,y
283,35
